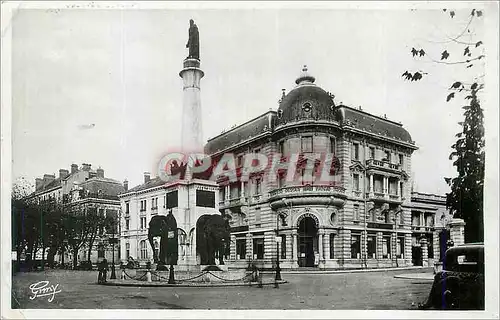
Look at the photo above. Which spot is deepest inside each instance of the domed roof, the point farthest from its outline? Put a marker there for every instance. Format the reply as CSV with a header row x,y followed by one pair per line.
x,y
306,101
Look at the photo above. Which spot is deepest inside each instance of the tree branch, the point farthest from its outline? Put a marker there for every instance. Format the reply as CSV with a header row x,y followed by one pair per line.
x,y
455,62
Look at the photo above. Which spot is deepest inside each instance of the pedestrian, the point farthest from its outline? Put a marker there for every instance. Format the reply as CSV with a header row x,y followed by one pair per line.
x,y
104,269
100,268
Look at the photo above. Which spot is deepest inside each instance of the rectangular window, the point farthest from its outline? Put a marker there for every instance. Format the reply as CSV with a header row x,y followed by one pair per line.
x,y
333,146
257,186
258,248
386,247
127,250
415,218
355,178
400,248
388,156
257,216
283,247
430,246
307,144
332,246
240,161
222,193
164,201
127,224
393,186
371,243
355,151
127,207
355,216
205,199
372,153
281,148
377,184
281,179
241,249
172,199
401,218
401,159
355,246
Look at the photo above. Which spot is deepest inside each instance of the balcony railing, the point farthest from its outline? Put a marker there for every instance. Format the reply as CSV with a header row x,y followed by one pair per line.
x,y
383,165
380,225
308,189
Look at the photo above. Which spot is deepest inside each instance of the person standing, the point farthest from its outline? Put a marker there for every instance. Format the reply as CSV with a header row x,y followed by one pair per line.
x,y
100,268
104,269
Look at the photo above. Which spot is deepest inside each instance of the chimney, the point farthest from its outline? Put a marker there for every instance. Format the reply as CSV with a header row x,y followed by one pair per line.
x,y
38,184
125,185
63,173
147,177
86,166
100,173
74,168
48,178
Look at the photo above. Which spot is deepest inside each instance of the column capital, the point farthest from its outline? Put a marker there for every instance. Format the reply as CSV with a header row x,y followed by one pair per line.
x,y
321,232
294,232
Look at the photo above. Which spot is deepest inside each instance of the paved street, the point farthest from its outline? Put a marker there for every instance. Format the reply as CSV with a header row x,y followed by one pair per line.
x,y
371,290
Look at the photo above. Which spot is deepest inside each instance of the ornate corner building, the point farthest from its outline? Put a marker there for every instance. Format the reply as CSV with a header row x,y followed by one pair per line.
x,y
368,217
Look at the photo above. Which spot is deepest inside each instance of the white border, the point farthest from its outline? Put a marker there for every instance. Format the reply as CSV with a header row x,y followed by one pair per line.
x,y
491,104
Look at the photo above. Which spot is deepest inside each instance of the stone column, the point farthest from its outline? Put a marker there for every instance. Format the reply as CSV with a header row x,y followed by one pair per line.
x,y
425,251
191,136
457,231
249,246
326,245
232,248
371,183
321,234
228,192
295,255
379,245
289,248
384,185
242,191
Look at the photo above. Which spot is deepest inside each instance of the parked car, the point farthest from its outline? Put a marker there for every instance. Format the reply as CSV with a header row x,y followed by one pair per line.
x,y
460,285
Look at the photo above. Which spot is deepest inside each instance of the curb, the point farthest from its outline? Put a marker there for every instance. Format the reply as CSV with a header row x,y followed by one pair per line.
x,y
203,285
319,271
411,277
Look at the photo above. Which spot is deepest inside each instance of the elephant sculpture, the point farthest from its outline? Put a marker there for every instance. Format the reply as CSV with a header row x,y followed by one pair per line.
x,y
166,228
212,238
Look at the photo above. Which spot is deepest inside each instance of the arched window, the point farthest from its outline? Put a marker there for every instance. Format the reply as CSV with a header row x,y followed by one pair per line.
x,y
144,249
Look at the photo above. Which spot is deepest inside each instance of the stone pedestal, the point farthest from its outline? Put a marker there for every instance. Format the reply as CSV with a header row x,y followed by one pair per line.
x,y
457,227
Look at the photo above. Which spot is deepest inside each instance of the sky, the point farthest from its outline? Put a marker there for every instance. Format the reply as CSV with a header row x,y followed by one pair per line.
x,y
103,86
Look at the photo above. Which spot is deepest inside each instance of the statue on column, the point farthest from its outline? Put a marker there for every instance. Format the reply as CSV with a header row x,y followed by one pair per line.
x,y
194,41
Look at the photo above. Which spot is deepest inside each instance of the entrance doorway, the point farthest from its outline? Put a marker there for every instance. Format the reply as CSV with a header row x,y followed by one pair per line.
x,y
308,242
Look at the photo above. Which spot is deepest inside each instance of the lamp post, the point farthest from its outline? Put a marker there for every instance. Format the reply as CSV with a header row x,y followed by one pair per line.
x,y
278,239
112,241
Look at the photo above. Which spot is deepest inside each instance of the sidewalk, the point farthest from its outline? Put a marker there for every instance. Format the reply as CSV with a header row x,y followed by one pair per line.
x,y
427,277
333,271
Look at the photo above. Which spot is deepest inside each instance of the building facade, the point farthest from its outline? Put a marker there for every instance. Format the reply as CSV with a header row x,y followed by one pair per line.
x,y
83,188
364,218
